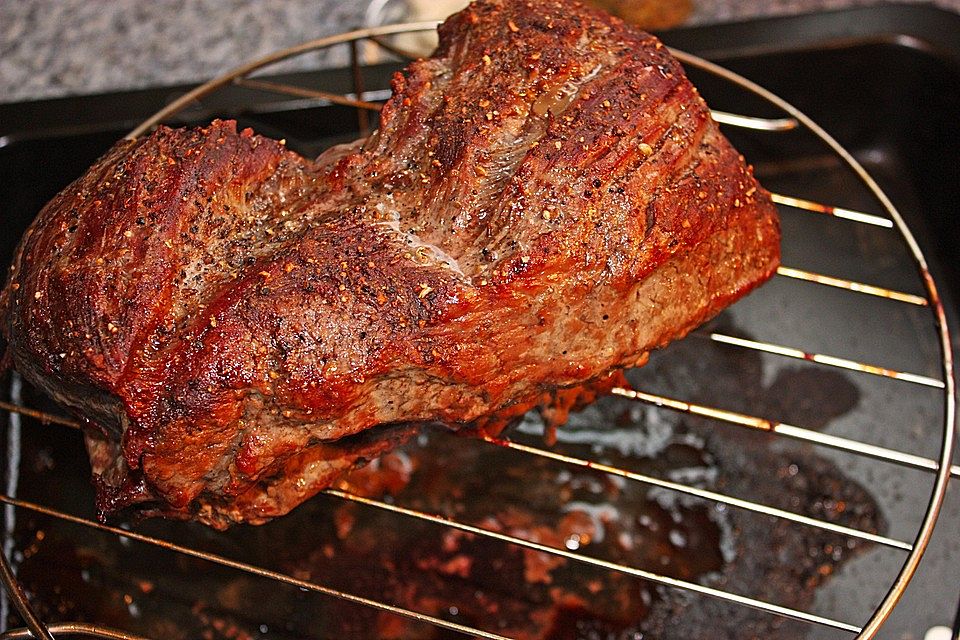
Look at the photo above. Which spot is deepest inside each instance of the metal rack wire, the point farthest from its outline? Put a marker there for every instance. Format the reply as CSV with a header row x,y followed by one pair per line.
x,y
940,467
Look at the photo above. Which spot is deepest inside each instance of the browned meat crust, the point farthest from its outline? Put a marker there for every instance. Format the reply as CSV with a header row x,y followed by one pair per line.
x,y
546,200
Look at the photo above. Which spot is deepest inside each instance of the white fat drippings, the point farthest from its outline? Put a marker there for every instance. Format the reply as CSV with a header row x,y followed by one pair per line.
x,y
649,433
599,514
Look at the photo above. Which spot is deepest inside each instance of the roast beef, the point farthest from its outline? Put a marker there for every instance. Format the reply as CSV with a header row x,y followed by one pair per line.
x,y
545,201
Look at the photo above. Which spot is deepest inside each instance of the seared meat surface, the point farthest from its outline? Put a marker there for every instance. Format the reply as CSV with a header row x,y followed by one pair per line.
x,y
546,200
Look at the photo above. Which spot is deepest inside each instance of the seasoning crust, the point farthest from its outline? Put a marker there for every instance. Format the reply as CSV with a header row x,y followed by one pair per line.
x,y
546,200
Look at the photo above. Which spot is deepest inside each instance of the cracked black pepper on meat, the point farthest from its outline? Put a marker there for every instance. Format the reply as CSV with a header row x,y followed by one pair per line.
x,y
238,325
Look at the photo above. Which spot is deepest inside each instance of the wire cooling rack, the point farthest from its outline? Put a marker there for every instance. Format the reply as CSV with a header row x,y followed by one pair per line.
x,y
939,468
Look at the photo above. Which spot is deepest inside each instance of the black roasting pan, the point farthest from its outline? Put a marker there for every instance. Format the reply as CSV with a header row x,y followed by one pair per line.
x,y
884,80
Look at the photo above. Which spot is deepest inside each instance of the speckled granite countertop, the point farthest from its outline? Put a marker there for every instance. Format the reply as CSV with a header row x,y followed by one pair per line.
x,y
52,48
